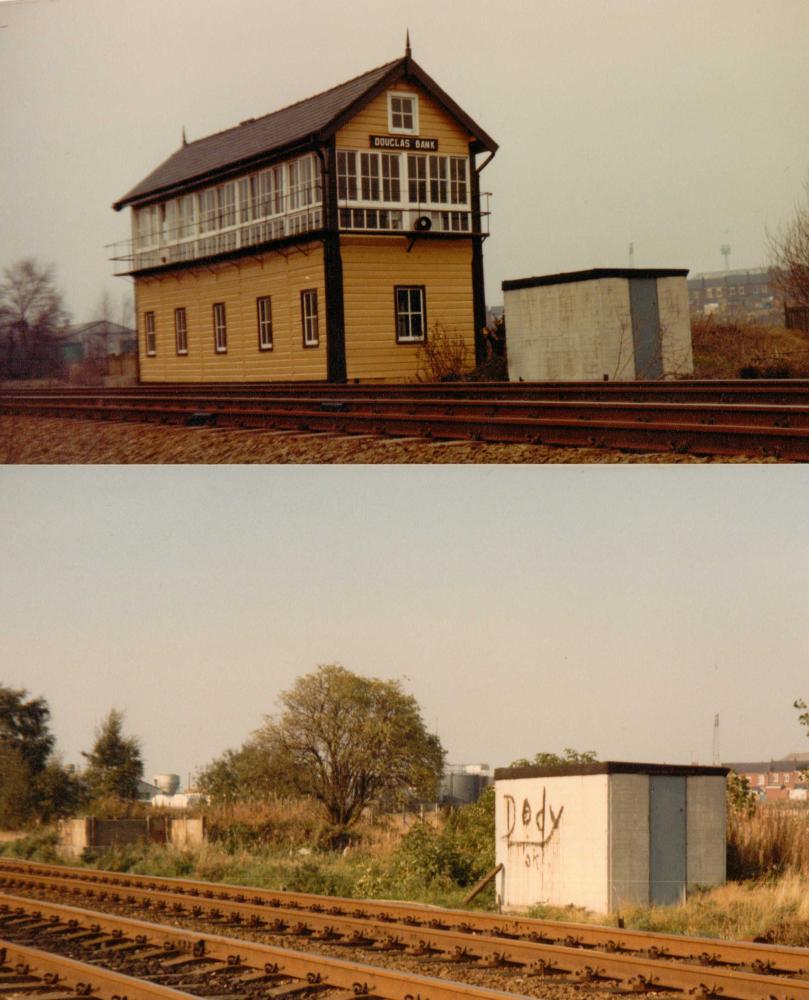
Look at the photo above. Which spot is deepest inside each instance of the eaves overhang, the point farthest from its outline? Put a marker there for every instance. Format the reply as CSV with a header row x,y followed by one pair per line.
x,y
317,135
223,173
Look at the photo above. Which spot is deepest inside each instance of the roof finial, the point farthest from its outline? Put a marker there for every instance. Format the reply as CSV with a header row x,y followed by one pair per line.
x,y
185,141
408,53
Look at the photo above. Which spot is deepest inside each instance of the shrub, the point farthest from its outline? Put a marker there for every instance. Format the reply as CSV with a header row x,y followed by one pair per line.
x,y
280,823
443,357
39,845
457,854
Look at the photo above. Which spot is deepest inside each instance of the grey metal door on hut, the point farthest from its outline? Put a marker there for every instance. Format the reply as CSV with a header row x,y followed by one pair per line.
x,y
667,839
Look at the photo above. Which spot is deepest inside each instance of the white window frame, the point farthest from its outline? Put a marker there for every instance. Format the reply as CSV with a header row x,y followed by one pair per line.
x,y
309,317
438,192
265,205
458,180
389,181
370,181
417,182
264,316
393,177
347,183
181,330
150,333
408,96
408,313
220,328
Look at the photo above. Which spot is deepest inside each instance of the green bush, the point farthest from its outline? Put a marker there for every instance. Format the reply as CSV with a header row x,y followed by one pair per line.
x,y
39,845
455,856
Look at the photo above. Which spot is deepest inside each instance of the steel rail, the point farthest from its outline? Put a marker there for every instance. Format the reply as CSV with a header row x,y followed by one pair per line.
x,y
359,979
229,406
389,914
451,932
59,974
634,972
708,389
716,439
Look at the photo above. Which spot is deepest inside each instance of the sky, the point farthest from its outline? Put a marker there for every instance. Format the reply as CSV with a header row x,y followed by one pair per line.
x,y
676,125
526,609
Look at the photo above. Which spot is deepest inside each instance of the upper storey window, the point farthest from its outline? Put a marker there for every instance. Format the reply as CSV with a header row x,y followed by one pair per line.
x,y
281,200
403,113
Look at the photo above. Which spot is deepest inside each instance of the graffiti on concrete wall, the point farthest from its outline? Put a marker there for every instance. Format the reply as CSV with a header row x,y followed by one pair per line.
x,y
530,829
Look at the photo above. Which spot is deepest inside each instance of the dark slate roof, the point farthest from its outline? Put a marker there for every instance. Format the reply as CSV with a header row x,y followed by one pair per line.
x,y
606,767
312,119
594,274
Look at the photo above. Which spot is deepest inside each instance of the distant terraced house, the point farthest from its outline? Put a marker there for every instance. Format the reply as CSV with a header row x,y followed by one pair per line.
x,y
322,241
775,779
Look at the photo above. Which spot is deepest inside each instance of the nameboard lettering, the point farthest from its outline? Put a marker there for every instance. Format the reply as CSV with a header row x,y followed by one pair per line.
x,y
409,142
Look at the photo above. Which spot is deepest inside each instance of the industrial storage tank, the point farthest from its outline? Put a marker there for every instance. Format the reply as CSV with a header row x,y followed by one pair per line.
x,y
167,783
463,784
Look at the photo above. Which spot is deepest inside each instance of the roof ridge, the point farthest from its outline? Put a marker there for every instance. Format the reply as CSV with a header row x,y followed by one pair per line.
x,y
294,104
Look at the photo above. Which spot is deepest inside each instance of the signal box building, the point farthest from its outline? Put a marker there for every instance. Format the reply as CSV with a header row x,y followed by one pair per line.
x,y
322,241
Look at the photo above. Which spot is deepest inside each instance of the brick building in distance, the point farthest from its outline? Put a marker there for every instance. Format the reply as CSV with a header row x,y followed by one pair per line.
x,y
750,295
772,780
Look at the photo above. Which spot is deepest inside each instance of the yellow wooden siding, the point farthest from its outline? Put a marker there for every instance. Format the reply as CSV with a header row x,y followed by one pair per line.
x,y
434,123
238,284
372,267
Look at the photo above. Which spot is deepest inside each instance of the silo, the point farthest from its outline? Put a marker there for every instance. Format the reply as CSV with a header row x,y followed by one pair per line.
x,y
462,785
167,783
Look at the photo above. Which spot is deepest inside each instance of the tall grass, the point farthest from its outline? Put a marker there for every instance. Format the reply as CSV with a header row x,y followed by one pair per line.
x,y
727,348
772,841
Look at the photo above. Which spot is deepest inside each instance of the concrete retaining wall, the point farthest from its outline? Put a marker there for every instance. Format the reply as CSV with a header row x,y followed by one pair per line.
x,y
77,835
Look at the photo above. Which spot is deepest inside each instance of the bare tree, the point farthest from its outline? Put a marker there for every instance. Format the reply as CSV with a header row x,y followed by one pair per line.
x,y
98,347
127,309
789,251
32,316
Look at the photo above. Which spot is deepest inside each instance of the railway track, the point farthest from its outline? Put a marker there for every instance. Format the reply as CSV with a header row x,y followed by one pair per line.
x,y
625,959
30,972
728,419
198,964
783,391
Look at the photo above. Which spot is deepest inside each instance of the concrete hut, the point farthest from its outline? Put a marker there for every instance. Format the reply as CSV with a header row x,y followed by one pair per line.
x,y
606,834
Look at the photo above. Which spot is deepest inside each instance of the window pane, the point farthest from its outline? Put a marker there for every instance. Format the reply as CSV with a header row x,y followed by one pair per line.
x,y
390,178
369,166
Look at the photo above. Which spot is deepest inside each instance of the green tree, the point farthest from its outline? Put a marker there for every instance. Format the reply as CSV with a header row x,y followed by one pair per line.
x,y
16,789
24,727
740,798
114,765
59,791
34,784
344,740
239,775
567,756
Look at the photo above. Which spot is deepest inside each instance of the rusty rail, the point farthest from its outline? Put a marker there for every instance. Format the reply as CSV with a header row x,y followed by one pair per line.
x,y
707,429
51,923
569,949
31,970
165,893
691,390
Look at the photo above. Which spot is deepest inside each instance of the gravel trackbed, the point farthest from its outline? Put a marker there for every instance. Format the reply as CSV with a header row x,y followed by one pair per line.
x,y
48,440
